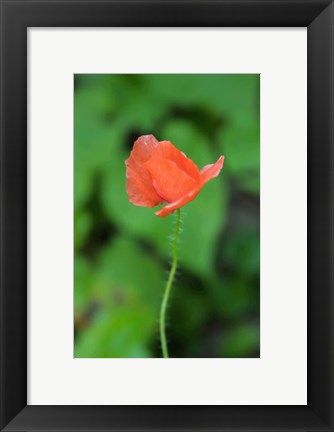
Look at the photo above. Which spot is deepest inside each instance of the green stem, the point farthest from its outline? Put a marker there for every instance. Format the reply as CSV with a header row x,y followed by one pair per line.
x,y
169,285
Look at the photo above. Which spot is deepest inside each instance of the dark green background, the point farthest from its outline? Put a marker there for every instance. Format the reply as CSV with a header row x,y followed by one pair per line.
x,y
122,252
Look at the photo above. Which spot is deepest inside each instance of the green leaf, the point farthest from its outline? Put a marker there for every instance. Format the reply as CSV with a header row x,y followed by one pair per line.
x,y
95,140
235,96
241,146
243,341
118,333
126,287
125,269
137,107
82,284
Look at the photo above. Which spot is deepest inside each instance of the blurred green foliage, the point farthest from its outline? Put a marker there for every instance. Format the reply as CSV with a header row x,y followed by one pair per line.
x,y
122,252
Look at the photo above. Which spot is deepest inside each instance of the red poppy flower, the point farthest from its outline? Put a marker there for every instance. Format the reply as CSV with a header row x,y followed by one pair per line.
x,y
157,173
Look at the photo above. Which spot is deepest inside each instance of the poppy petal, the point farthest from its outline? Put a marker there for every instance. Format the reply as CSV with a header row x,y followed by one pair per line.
x,y
170,208
139,185
210,171
167,150
142,148
170,182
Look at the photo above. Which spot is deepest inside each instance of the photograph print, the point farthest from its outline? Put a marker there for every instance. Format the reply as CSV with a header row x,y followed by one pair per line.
x,y
166,216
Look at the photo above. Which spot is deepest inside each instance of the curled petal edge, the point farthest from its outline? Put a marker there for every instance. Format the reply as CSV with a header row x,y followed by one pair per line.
x,y
210,171
170,208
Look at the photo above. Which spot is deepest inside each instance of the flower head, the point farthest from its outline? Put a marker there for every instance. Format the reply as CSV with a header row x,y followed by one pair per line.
x,y
157,173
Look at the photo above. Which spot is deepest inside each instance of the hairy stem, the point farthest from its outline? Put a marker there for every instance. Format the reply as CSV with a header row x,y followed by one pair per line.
x,y
169,285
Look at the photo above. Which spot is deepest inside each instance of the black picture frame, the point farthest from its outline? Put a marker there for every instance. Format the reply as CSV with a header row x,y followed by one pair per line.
x,y
16,17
